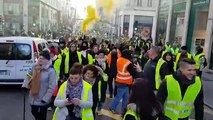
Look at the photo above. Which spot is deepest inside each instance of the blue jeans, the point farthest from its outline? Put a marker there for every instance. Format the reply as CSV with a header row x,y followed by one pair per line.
x,y
122,93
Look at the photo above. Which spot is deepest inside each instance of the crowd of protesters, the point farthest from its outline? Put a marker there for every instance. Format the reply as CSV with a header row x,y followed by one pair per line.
x,y
153,82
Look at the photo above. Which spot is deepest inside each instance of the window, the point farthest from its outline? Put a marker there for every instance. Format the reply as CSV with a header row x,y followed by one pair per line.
x,y
149,3
12,9
126,18
139,3
7,51
23,52
11,51
41,47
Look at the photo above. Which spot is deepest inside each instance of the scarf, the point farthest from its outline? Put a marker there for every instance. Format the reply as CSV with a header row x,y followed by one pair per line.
x,y
34,84
101,62
75,92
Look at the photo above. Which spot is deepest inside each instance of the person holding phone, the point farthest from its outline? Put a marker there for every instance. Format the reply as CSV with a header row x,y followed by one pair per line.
x,y
74,99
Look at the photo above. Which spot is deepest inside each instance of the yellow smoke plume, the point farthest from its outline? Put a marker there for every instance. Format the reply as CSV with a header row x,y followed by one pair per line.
x,y
91,17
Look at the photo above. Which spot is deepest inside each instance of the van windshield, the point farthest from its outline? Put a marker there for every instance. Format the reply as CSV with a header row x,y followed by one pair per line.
x,y
15,51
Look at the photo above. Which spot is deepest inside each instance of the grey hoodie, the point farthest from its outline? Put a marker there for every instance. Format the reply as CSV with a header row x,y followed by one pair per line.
x,y
47,86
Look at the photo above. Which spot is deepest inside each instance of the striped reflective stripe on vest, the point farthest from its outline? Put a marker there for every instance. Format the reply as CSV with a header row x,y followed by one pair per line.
x,y
177,106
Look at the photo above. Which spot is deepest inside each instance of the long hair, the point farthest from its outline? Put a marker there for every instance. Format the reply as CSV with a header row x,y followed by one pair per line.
x,y
169,63
91,68
144,98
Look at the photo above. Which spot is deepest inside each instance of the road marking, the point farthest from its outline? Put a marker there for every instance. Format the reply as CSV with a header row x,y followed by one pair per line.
x,y
110,114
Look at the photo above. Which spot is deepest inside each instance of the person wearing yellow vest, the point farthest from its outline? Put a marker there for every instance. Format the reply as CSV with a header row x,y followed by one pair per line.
x,y
84,51
72,56
183,54
156,68
143,104
174,49
63,50
93,75
125,74
74,99
101,62
167,46
200,60
93,51
182,91
143,58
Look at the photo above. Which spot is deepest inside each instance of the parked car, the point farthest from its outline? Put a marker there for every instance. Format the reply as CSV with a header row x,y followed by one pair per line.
x,y
17,55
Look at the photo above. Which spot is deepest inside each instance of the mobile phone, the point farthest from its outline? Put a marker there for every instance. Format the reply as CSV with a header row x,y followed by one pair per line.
x,y
68,97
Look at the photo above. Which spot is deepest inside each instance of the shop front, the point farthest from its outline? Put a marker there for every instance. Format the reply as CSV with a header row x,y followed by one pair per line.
x,y
197,24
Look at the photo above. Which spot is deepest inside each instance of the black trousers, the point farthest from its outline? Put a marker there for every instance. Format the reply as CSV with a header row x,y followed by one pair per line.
x,y
72,118
52,102
95,95
39,112
110,81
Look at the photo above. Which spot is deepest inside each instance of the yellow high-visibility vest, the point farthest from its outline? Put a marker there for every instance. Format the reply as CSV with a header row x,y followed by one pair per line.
x,y
57,66
177,106
132,113
197,60
157,73
67,59
86,112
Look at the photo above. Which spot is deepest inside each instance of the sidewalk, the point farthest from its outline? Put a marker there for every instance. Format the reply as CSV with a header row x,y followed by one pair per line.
x,y
207,79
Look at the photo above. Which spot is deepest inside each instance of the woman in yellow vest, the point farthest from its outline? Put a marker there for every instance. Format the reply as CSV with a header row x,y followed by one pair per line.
x,y
171,65
143,104
74,99
92,75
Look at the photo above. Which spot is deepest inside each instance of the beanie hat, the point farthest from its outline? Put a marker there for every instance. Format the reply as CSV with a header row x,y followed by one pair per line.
x,y
45,54
62,41
183,48
127,54
53,51
101,51
145,48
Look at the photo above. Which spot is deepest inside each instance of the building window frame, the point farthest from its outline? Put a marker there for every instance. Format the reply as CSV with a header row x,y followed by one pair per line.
x,y
149,3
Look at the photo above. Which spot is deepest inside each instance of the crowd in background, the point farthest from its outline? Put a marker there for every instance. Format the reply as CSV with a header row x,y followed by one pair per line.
x,y
153,82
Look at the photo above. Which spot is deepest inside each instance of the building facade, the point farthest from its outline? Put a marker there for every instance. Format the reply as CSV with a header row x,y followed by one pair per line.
x,y
188,22
17,16
138,17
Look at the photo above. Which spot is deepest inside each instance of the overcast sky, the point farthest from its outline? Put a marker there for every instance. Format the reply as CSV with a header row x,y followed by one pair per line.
x,y
81,6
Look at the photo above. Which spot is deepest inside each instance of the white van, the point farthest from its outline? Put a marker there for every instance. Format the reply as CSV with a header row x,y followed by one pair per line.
x,y
17,55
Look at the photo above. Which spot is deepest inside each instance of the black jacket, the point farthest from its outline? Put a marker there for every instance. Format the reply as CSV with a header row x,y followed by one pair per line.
x,y
184,83
73,58
113,65
149,71
142,61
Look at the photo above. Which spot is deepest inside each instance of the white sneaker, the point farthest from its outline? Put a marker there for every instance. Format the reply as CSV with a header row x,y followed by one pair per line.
x,y
99,112
49,108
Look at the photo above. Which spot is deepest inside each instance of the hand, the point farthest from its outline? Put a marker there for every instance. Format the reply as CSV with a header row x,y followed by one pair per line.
x,y
67,102
76,101
138,68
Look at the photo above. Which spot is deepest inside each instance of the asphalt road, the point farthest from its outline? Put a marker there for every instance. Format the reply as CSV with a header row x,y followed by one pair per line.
x,y
12,106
